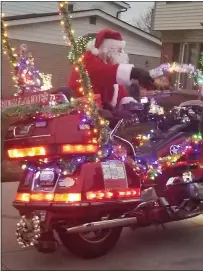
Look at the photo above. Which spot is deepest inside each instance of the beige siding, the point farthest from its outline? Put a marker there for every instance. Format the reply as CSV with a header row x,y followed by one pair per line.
x,y
182,36
178,16
19,8
50,32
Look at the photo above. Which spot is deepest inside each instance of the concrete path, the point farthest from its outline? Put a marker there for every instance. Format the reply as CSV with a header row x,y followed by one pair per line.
x,y
179,247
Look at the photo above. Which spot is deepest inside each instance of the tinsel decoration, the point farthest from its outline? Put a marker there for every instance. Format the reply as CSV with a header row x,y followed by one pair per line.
x,y
90,109
194,73
8,49
81,44
25,76
23,111
28,77
201,62
66,23
191,144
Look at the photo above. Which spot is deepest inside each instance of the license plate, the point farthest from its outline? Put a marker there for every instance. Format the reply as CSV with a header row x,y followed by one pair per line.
x,y
114,175
46,177
187,177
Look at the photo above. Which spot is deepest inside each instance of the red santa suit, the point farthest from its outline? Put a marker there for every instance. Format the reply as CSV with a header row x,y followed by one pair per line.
x,y
108,80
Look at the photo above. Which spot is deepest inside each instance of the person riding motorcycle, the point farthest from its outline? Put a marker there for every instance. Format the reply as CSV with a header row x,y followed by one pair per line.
x,y
109,70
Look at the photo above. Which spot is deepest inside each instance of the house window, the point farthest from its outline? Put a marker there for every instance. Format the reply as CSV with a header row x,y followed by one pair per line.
x,y
70,7
93,20
176,52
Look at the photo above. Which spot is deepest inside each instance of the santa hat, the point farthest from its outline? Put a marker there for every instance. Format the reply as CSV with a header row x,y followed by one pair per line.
x,y
105,40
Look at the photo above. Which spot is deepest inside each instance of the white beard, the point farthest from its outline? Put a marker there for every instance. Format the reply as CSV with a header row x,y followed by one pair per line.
x,y
118,58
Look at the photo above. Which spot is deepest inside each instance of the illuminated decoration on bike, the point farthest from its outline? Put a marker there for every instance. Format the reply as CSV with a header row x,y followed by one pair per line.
x,y
7,48
194,73
81,44
85,88
28,231
192,144
26,77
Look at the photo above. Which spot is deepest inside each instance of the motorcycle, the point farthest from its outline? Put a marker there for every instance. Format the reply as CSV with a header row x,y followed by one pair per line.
x,y
180,124
64,190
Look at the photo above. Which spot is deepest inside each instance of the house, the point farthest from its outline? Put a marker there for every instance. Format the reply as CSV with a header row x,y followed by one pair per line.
x,y
37,24
181,27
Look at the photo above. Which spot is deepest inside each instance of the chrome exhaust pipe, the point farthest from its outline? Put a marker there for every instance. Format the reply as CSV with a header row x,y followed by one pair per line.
x,y
101,225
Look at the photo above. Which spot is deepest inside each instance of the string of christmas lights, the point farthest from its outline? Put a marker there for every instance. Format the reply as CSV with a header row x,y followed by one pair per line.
x,y
191,144
201,62
194,73
81,44
25,76
90,108
28,78
8,49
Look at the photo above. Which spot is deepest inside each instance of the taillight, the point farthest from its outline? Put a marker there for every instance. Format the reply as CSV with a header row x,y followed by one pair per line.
x,y
116,194
27,152
45,197
71,197
23,197
79,149
48,197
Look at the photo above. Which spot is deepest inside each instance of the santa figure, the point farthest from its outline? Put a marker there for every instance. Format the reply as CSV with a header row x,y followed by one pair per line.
x,y
109,70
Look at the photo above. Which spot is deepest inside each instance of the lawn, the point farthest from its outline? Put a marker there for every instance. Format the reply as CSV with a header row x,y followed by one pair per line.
x,y
11,171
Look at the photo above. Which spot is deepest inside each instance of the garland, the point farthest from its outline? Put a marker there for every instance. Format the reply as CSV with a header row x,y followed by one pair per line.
x,y
194,73
26,77
81,44
8,49
201,62
86,87
190,144
91,109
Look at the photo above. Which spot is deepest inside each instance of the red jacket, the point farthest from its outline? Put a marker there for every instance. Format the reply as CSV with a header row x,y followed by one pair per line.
x,y
103,78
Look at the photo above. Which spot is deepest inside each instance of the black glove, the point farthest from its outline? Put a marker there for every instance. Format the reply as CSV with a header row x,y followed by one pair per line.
x,y
122,114
108,106
143,77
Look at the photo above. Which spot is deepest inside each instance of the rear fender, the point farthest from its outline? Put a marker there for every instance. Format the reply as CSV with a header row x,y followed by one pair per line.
x,y
90,177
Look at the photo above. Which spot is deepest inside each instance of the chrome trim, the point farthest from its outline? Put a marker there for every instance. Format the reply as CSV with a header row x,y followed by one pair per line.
x,y
76,204
28,129
26,137
105,224
126,141
115,129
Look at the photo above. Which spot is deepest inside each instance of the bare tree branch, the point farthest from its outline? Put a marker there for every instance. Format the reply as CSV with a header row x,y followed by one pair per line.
x,y
144,22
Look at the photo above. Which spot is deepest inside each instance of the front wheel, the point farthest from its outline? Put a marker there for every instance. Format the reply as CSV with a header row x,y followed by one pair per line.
x,y
90,245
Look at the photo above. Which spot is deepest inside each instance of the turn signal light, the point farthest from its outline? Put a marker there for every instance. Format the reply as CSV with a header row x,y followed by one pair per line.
x,y
71,197
76,149
26,152
102,195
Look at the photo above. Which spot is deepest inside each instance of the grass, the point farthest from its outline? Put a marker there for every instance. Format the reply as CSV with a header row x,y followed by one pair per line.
x,y
11,171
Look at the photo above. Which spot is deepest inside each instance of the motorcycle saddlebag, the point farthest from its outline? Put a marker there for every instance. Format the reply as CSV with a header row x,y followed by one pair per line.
x,y
60,130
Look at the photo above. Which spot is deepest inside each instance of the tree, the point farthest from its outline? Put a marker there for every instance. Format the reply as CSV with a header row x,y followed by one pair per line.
x,y
145,21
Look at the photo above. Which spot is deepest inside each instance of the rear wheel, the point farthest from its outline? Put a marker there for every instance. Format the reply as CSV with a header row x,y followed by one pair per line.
x,y
90,245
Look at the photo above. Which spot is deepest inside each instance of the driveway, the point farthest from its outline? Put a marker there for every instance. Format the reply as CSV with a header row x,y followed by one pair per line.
x,y
178,247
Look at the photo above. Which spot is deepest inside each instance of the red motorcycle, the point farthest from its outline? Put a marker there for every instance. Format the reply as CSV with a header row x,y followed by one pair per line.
x,y
87,202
